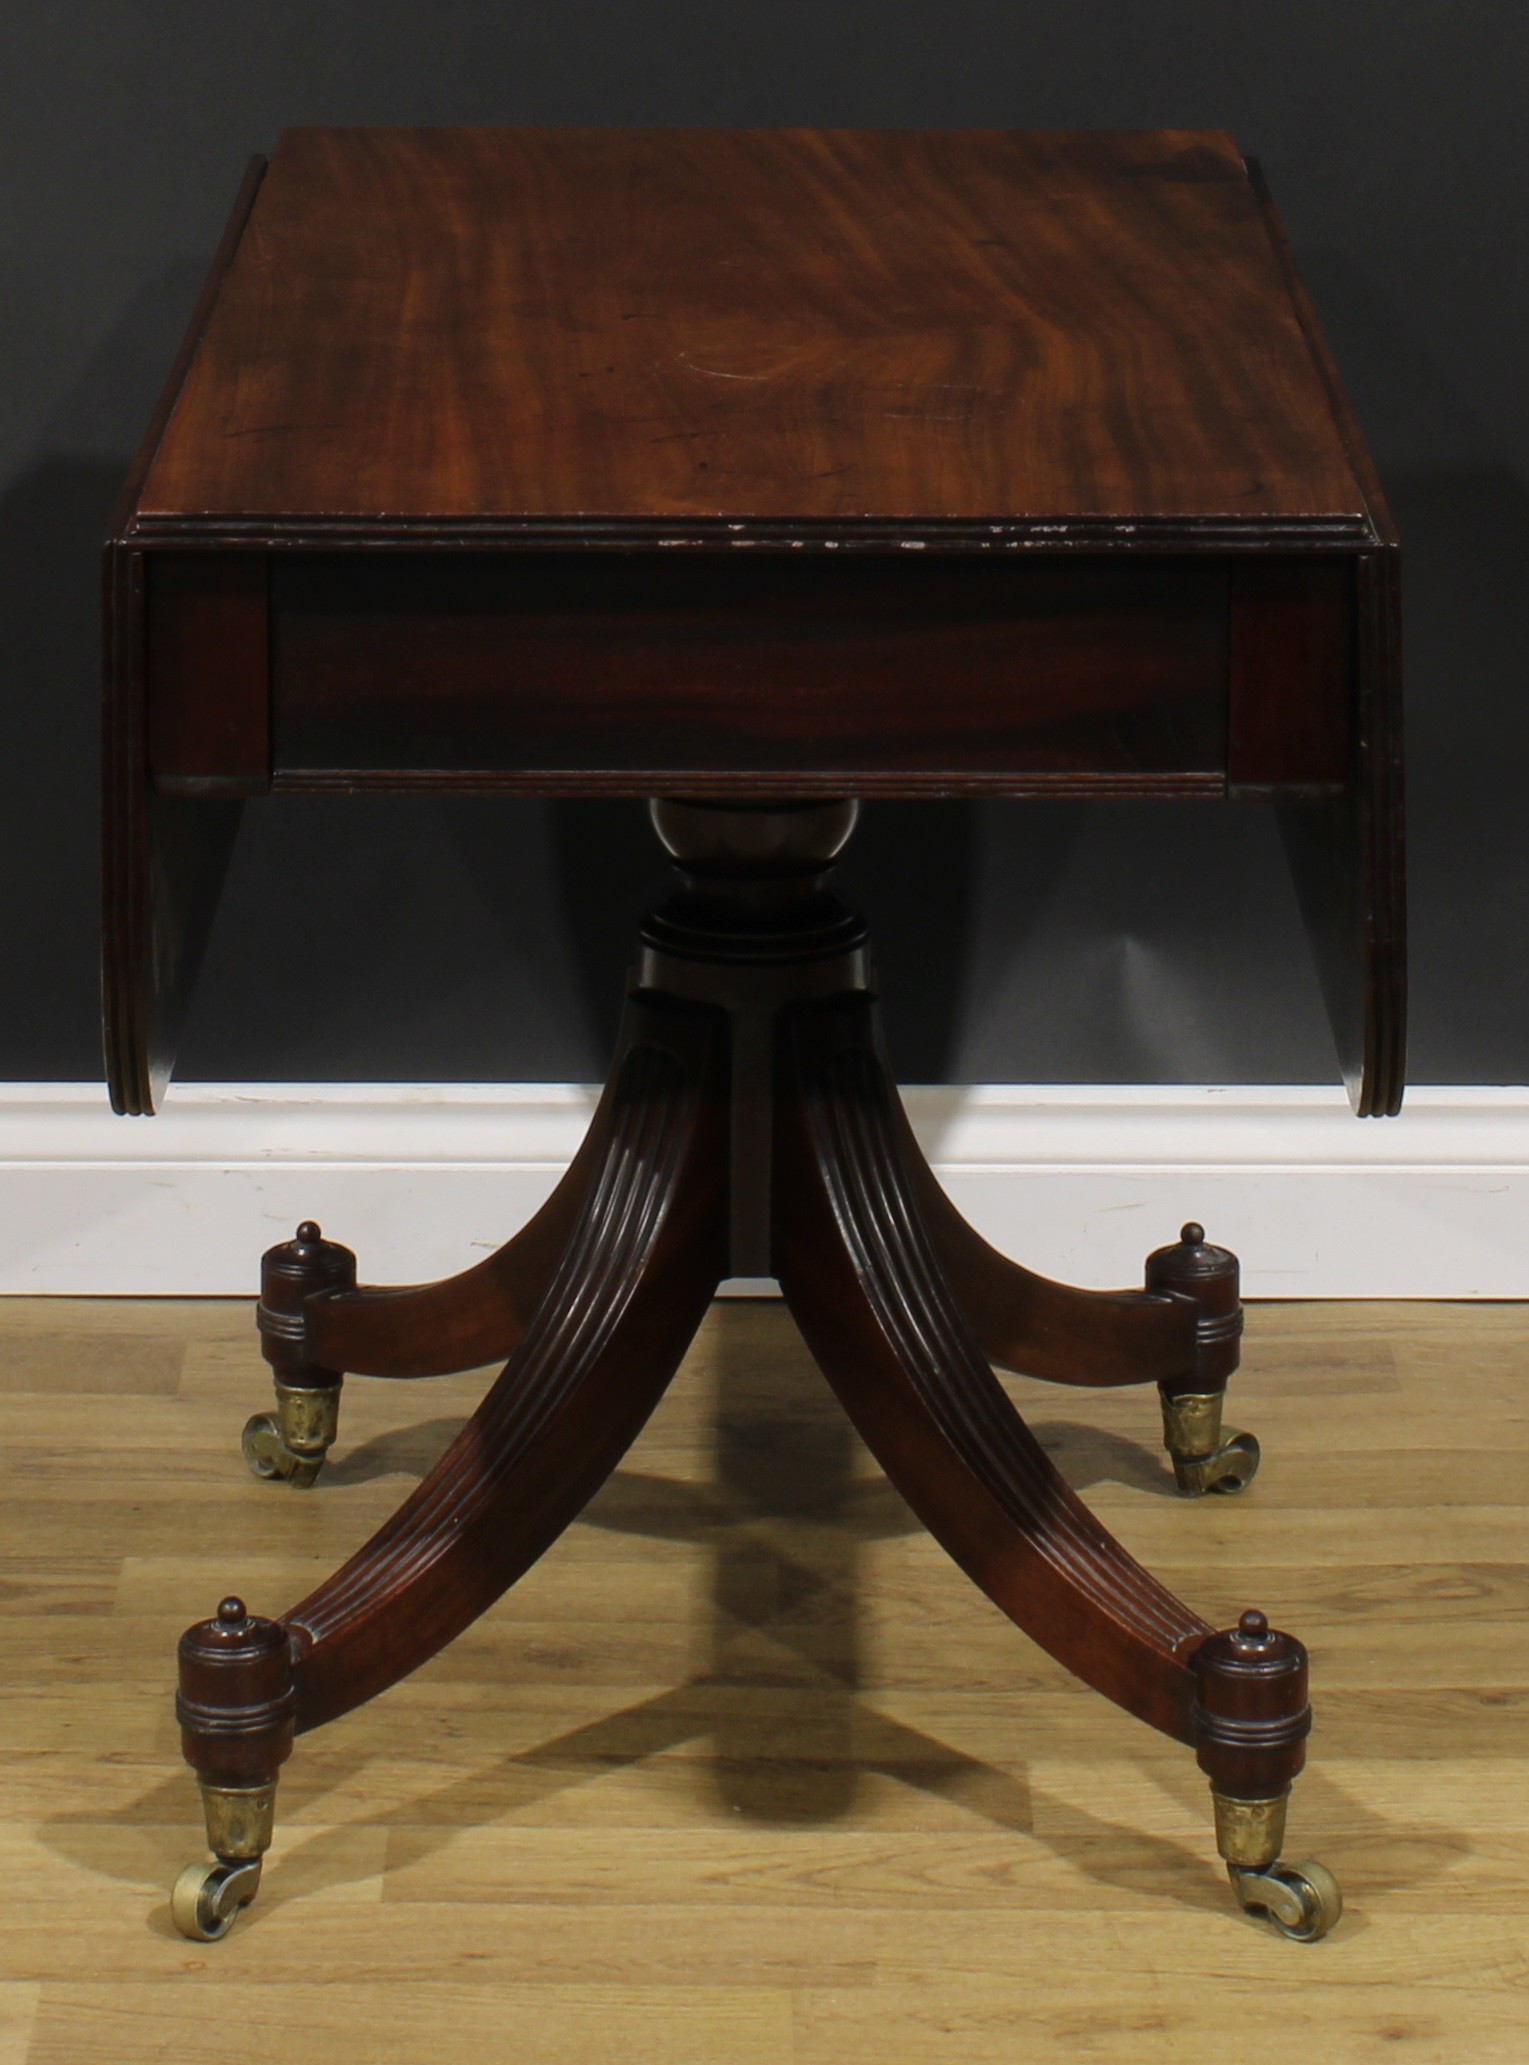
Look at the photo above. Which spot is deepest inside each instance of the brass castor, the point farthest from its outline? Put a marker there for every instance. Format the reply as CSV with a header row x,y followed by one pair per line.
x,y
206,1898
292,1442
1203,1458
1303,1901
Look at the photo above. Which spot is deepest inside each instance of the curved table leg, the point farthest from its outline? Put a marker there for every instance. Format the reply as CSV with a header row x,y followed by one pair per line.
x,y
316,1326
1183,1331
865,1282
1039,1328
861,1275
430,1330
638,1270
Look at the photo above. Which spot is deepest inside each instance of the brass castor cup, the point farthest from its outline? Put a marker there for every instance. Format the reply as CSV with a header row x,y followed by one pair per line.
x,y
237,1709
1303,1901
1252,1717
292,1442
206,1898
1203,1458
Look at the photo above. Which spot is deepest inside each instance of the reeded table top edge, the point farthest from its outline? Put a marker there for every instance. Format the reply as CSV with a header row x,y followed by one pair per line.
x,y
767,534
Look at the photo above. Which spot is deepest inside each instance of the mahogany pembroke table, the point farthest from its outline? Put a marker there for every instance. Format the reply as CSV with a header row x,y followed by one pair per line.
x,y
756,473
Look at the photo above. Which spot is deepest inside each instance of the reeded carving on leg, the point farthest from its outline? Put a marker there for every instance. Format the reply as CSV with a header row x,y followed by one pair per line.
x,y
641,1263
865,1284
751,1122
644,1256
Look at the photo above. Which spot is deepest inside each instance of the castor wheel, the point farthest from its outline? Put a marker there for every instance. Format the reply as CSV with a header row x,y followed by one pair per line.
x,y
292,1442
1303,1901
1204,1459
1230,1468
1196,1273
206,1898
1244,1676
236,1703
268,1455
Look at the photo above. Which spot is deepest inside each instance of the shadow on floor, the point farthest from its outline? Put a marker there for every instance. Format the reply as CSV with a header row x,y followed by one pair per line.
x,y
787,1517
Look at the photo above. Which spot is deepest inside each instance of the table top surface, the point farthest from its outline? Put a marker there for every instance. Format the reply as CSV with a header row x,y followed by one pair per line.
x,y
794,325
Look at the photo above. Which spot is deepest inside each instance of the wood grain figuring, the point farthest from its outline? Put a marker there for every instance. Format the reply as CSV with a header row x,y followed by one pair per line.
x,y
209,685
1292,688
798,324
658,668
893,397
743,1770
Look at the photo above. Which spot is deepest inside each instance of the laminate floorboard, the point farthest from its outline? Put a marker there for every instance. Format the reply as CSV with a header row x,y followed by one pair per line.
x,y
744,1770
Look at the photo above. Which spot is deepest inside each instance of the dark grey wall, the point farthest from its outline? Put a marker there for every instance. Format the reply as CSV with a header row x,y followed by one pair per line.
x,y
486,939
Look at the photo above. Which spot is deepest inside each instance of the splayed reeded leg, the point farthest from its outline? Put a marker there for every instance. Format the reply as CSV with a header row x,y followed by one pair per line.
x,y
867,1286
638,1270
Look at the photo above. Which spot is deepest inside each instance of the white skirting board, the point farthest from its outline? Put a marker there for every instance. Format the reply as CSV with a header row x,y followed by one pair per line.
x,y
1077,1182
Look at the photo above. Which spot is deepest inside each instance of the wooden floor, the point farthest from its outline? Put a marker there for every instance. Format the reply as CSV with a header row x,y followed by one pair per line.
x,y
744,1771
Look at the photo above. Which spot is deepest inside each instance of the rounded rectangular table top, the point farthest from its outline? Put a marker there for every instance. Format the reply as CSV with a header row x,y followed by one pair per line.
x,y
793,325
999,463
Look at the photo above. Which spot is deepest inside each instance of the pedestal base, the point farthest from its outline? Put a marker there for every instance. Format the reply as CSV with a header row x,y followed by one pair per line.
x,y
751,1127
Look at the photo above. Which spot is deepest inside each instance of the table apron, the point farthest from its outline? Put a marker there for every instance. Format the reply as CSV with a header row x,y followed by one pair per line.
x,y
630,672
